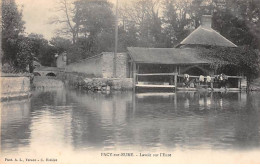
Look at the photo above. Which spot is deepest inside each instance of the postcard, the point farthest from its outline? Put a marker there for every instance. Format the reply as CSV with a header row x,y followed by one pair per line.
x,y
130,82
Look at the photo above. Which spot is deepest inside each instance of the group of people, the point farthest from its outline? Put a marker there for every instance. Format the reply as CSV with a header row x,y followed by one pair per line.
x,y
205,80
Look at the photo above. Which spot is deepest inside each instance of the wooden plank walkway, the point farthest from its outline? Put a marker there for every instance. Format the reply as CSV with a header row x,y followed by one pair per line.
x,y
141,95
157,74
154,86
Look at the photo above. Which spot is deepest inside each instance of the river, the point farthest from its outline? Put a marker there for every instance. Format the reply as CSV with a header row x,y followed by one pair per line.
x,y
78,121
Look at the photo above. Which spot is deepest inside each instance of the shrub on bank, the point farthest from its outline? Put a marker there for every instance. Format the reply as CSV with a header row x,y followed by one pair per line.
x,y
97,84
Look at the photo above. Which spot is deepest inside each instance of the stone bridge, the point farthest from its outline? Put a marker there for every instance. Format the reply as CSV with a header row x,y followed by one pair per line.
x,y
47,71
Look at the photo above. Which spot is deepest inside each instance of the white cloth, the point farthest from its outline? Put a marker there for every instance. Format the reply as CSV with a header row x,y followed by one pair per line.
x,y
201,78
208,79
221,77
186,76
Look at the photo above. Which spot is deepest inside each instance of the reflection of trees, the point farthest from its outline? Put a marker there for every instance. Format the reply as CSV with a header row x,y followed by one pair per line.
x,y
15,125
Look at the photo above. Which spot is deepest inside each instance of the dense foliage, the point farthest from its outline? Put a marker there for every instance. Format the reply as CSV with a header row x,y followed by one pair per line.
x,y
12,28
232,61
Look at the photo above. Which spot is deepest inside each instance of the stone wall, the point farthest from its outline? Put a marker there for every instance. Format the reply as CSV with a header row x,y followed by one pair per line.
x,y
14,87
107,64
91,66
122,65
102,65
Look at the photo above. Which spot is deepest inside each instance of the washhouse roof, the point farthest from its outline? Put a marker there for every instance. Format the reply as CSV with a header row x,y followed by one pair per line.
x,y
205,35
208,37
166,55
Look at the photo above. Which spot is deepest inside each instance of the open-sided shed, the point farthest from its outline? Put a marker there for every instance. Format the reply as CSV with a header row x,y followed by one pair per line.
x,y
187,61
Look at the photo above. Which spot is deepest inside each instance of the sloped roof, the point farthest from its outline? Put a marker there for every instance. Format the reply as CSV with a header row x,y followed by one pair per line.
x,y
204,35
166,55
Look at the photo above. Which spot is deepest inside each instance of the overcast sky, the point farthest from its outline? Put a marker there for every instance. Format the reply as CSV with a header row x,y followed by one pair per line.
x,y
37,13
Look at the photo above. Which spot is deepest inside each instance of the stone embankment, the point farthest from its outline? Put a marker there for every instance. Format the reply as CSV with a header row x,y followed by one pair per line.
x,y
14,87
87,82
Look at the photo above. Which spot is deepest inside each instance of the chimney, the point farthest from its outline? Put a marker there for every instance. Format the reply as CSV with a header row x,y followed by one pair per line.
x,y
206,21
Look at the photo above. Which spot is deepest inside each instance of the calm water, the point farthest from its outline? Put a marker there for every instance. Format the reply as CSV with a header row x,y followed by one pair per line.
x,y
81,121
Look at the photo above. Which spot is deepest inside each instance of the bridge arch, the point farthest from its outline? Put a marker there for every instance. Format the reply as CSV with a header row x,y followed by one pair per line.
x,y
51,74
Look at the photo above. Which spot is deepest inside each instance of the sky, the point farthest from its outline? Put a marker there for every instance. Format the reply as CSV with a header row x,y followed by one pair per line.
x,y
37,14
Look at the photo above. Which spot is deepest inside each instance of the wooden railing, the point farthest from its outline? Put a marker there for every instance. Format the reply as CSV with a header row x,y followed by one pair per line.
x,y
173,78
135,80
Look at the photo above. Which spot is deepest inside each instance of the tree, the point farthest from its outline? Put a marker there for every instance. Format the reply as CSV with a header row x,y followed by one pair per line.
x,y
69,19
127,38
177,20
41,50
97,22
60,44
143,16
238,21
231,61
12,28
25,54
91,25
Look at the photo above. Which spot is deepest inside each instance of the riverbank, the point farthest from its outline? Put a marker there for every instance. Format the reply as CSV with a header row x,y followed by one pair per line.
x,y
43,82
89,82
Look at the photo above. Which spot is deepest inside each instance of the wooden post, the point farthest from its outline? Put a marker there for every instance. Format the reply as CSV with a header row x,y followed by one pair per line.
x,y
137,72
176,73
134,102
175,101
240,80
131,70
134,75
171,76
175,80
171,80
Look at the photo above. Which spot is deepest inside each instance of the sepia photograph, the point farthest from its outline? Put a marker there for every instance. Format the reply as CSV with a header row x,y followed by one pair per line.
x,y
130,82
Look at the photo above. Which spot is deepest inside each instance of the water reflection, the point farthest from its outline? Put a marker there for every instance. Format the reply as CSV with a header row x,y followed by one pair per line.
x,y
15,124
84,120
